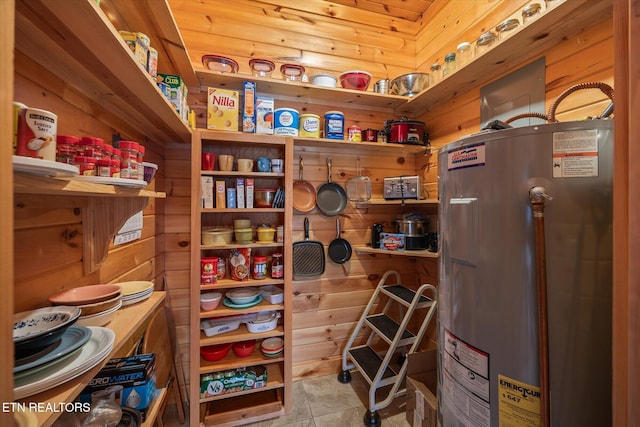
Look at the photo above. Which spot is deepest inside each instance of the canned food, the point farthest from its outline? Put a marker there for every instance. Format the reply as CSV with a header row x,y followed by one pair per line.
x,y
208,270
36,136
286,121
310,126
370,135
334,125
354,133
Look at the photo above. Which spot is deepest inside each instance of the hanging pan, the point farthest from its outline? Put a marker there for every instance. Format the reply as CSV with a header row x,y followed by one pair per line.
x,y
304,193
339,249
308,256
331,198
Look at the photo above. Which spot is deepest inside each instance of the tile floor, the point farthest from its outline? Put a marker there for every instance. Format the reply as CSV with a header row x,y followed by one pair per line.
x,y
325,402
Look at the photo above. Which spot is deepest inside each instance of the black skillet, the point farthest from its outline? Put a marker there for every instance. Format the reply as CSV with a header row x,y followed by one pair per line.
x,y
331,198
339,249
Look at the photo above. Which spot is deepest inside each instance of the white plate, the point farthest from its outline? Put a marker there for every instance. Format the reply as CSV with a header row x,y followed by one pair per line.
x,y
41,167
89,355
28,325
130,301
100,318
134,287
121,182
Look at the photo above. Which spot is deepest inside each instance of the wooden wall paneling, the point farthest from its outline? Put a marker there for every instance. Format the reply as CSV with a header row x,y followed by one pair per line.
x,y
6,206
407,10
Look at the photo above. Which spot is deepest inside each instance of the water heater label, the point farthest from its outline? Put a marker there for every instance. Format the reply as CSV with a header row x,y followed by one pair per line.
x,y
469,156
465,381
575,153
518,403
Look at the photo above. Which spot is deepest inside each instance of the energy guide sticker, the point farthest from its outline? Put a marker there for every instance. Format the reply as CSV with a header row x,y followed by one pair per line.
x,y
518,403
575,153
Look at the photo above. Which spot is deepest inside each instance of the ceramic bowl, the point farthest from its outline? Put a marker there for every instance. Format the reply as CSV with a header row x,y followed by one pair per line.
x,y
216,236
89,309
99,319
243,295
244,348
355,80
210,300
36,329
219,63
324,80
264,322
215,352
85,295
272,347
150,170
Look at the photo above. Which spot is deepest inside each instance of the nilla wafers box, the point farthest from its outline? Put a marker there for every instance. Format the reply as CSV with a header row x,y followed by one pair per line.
x,y
222,109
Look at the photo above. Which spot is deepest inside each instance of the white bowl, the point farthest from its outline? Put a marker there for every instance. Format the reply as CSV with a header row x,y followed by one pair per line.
x,y
273,294
210,300
325,80
266,321
99,319
244,295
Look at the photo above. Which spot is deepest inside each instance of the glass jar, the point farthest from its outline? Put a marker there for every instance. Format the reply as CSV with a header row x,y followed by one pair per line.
x,y
463,55
505,28
86,165
105,411
435,73
129,152
449,66
140,159
90,146
259,269
103,168
115,168
66,148
531,12
485,42
277,266
222,268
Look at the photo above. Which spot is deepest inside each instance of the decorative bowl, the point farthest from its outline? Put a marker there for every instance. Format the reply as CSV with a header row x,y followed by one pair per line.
x,y
243,295
244,348
263,197
292,72
210,300
355,80
409,84
324,80
216,236
272,347
215,352
261,67
36,329
85,295
220,63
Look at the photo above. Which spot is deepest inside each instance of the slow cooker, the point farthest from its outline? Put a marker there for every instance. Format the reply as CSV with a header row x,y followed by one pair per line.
x,y
406,132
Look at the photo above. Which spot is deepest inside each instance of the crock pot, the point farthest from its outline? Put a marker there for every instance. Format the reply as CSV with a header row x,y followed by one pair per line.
x,y
405,132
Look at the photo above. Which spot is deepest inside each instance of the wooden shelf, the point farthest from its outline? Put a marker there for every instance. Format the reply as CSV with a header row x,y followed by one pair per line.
x,y
125,322
417,254
241,210
76,42
223,310
275,379
240,334
309,144
385,202
243,174
229,283
525,43
247,139
154,411
244,245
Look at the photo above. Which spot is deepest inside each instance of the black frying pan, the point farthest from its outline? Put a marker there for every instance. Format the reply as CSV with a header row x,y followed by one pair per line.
x,y
339,249
308,256
331,198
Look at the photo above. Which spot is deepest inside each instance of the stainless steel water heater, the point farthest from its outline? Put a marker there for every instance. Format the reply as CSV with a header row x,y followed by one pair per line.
x,y
487,306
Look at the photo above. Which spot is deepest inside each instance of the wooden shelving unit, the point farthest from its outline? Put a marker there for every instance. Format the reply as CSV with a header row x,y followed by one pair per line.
x,y
416,254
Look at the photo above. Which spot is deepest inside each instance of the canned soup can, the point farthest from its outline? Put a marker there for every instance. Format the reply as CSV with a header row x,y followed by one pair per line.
x,y
36,136
310,125
334,125
286,121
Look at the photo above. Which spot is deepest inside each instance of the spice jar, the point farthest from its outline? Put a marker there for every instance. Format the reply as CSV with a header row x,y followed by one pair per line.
x,y
66,147
90,146
531,12
505,28
86,165
449,66
103,168
129,153
463,55
485,42
259,270
277,266
435,74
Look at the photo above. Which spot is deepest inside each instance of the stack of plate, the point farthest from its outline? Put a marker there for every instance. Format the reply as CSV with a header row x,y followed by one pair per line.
x,y
97,303
242,298
136,291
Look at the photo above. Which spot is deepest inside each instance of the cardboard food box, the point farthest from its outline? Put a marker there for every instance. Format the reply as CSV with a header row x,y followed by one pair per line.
x,y
222,109
264,115
392,242
175,90
422,384
249,110
232,381
133,377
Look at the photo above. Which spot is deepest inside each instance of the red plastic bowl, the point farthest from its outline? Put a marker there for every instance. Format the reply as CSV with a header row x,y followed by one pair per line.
x,y
215,352
355,80
244,348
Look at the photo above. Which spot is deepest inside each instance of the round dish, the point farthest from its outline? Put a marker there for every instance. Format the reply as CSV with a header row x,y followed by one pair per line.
x,y
261,67
39,328
99,319
220,63
355,80
409,84
135,287
216,236
293,72
272,347
228,303
242,223
266,321
85,295
244,348
215,352
324,80
243,295
89,309
210,300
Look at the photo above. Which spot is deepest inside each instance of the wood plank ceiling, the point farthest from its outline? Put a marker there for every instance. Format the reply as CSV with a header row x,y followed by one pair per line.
x,y
324,36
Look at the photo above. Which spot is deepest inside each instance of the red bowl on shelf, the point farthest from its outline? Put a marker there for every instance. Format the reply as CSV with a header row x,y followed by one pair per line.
x,y
355,80
215,352
244,348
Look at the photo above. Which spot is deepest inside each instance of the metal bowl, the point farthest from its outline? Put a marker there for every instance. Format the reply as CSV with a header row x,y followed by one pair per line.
x,y
409,84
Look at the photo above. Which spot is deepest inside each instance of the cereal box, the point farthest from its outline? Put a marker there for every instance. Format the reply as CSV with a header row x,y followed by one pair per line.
x,y
264,115
222,109
249,110
175,90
